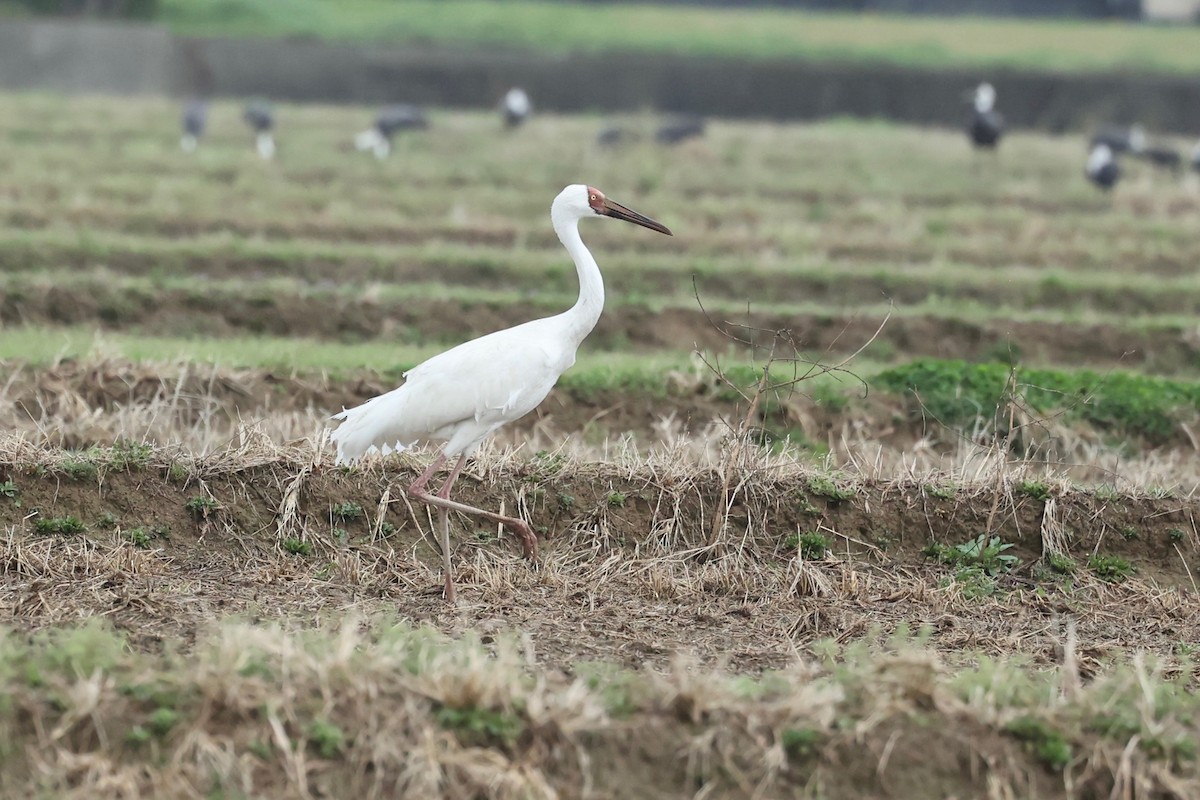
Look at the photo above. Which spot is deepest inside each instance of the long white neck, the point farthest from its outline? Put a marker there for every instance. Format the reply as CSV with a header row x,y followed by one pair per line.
x,y
584,315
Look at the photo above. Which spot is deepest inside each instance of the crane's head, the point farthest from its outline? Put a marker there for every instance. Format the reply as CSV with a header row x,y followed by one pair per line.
x,y
984,97
580,202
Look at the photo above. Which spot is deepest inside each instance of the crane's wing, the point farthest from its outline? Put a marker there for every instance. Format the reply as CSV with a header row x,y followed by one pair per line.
x,y
459,396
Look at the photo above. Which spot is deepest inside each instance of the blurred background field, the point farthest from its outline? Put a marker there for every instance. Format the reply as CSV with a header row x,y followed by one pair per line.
x,y
975,513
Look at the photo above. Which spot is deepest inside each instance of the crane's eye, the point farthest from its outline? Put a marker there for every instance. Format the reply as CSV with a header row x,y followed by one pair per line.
x,y
593,198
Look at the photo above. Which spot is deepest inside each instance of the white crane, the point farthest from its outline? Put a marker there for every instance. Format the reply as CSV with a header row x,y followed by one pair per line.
x,y
986,125
1102,168
261,119
516,107
195,116
378,137
463,395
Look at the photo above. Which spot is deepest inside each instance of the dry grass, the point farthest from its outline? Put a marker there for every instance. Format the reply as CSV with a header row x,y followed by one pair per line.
x,y
366,708
204,409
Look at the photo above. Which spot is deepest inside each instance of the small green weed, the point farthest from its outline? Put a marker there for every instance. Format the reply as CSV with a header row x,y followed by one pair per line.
x,y
1047,745
64,526
941,491
386,529
1062,564
1176,534
800,742
325,737
177,473
138,537
260,749
825,486
297,547
127,455
616,499
162,720
480,725
80,469
138,735
1115,726
107,521
201,507
1128,532
982,552
973,582
348,512
565,501
142,536
1038,490
544,466
1110,568
8,489
812,545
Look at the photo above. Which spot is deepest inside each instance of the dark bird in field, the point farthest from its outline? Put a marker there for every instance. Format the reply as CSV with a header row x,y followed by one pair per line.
x,y
261,119
1163,157
679,129
516,107
1120,139
986,125
391,120
195,116
1102,168
614,134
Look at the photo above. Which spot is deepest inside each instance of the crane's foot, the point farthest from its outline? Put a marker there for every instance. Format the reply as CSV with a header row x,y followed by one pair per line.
x,y
529,545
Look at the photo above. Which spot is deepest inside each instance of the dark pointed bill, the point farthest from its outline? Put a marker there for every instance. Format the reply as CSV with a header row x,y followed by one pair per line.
x,y
618,211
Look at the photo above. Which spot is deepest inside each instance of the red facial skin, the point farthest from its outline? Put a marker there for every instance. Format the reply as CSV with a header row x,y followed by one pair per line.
x,y
596,199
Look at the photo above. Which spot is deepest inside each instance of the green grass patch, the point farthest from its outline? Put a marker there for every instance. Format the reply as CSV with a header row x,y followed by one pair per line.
x,y
957,393
59,526
480,725
201,507
983,552
348,511
755,33
297,547
1047,744
1110,567
827,486
812,545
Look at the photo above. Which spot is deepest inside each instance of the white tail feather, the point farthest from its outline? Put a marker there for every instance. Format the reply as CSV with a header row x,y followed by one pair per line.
x,y
376,425
266,145
368,139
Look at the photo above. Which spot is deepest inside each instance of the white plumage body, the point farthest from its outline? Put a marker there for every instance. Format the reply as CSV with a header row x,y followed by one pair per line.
x,y
463,395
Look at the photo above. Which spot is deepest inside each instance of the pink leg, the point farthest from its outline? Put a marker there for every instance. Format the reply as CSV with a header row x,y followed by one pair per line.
x,y
444,504
444,527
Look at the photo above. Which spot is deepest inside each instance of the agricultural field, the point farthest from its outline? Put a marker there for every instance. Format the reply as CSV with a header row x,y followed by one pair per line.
x,y
729,32
877,479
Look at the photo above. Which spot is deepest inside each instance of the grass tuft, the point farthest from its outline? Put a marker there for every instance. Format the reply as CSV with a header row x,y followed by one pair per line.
x,y
201,507
1111,567
297,547
348,511
1047,745
62,526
